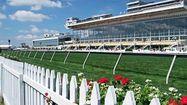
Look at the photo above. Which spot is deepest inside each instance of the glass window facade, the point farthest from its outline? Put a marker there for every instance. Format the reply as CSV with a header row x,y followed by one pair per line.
x,y
167,27
50,42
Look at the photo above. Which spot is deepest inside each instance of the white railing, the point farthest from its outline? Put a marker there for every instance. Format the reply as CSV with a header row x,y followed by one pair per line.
x,y
26,84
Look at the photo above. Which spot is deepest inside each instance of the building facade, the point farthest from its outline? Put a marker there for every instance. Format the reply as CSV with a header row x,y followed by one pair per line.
x,y
51,40
162,20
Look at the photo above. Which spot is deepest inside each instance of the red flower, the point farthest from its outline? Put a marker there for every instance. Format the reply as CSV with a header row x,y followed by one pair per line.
x,y
103,80
172,102
124,81
184,100
88,82
118,77
46,94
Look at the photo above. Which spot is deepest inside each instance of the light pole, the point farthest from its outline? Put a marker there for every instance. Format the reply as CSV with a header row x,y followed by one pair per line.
x,y
9,43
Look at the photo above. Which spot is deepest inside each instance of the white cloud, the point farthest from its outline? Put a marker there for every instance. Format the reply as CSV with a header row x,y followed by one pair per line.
x,y
34,29
23,16
36,7
0,24
27,37
49,31
3,16
36,4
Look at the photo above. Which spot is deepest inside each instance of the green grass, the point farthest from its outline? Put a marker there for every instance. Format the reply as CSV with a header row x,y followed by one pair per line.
x,y
136,67
1,102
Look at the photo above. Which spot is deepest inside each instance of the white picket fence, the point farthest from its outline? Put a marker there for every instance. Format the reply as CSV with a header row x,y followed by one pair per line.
x,y
26,84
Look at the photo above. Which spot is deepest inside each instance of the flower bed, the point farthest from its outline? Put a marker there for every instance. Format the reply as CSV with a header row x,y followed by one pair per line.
x,y
143,94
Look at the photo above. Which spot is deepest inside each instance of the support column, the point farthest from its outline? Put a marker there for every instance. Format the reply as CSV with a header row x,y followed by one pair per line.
x,y
171,67
114,69
35,54
20,53
42,56
83,66
52,56
66,57
29,54
12,52
24,53
17,53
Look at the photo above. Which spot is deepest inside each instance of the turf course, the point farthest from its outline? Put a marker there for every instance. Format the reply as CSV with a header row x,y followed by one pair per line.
x,y
135,67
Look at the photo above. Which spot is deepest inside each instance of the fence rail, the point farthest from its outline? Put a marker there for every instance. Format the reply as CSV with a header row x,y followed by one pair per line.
x,y
26,84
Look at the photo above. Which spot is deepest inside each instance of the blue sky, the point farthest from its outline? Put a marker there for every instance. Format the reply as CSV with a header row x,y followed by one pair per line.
x,y
24,20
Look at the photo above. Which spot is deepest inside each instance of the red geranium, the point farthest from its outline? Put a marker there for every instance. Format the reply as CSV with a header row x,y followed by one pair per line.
x,y
124,81
172,102
118,77
184,100
103,80
46,94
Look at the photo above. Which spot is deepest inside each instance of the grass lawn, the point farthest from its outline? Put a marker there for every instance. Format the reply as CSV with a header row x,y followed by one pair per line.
x,y
135,67
1,103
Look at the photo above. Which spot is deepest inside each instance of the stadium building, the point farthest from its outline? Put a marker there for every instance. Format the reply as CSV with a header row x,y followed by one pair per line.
x,y
5,47
155,26
51,41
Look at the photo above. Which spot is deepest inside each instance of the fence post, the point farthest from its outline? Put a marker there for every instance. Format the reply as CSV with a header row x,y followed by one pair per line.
x,y
1,82
65,86
129,99
73,89
110,98
34,91
155,101
42,82
38,81
47,78
29,88
47,82
52,80
95,95
83,92
21,90
59,83
26,67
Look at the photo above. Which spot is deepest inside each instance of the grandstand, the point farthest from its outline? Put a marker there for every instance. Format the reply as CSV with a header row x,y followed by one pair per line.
x,y
153,26
51,41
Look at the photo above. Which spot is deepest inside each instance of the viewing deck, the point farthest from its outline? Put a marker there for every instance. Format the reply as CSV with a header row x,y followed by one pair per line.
x,y
128,43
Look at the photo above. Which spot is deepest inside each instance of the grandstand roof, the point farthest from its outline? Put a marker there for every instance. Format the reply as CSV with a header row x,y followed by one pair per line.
x,y
50,38
161,12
